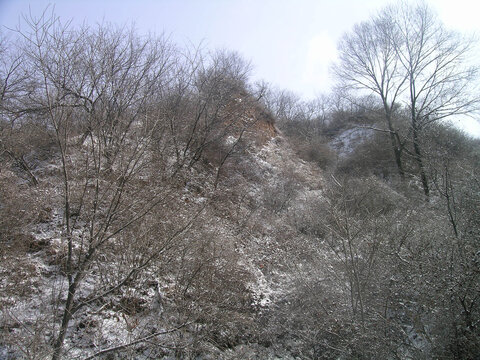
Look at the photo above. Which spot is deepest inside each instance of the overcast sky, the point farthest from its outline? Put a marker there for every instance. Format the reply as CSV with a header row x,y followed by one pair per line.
x,y
290,43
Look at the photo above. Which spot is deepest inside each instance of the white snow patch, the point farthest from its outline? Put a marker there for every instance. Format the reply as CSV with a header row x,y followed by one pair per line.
x,y
230,140
348,140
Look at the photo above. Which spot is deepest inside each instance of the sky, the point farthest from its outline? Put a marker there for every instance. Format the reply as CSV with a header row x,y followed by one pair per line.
x,y
290,43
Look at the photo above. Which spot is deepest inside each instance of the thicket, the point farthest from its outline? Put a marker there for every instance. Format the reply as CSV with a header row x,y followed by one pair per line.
x,y
102,131
402,280
142,215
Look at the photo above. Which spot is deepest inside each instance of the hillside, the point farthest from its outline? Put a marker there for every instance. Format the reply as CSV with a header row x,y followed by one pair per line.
x,y
225,264
154,204
248,261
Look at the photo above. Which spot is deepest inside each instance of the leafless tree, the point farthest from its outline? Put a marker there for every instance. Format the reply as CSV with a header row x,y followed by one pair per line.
x,y
406,56
368,61
12,80
10,76
441,83
97,86
206,104
117,105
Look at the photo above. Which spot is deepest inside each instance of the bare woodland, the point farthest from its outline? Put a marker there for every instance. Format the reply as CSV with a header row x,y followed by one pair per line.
x,y
155,203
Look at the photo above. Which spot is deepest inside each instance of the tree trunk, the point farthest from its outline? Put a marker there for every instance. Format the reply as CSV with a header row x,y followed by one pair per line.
x,y
396,146
398,154
419,159
67,316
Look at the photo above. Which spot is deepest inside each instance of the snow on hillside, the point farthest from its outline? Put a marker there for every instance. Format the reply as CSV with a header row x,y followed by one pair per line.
x,y
346,142
282,176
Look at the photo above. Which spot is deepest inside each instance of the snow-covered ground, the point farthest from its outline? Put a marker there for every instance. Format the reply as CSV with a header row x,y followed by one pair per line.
x,y
345,143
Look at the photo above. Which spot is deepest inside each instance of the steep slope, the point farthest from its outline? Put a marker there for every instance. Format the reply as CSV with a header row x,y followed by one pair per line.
x,y
224,235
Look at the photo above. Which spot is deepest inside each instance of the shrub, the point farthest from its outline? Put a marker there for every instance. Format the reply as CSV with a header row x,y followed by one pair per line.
x,y
318,152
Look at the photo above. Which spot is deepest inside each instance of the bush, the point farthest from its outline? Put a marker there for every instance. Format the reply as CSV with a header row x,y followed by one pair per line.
x,y
373,157
318,152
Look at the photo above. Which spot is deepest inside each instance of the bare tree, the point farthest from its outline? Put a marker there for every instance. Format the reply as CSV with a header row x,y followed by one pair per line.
x,y
12,80
435,62
207,102
368,61
94,88
116,105
10,74
406,56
